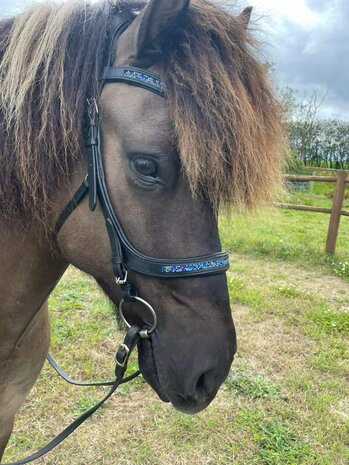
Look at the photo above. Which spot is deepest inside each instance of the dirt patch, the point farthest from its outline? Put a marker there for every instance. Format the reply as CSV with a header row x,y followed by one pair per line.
x,y
329,288
270,346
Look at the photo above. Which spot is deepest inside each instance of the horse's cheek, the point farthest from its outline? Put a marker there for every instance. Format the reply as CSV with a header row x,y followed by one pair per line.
x,y
85,246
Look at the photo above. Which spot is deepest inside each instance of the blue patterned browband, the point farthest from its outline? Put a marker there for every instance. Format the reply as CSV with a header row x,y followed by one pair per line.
x,y
134,76
190,267
142,76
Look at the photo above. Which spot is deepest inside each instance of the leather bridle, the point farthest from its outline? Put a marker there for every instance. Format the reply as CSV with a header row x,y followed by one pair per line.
x,y
125,256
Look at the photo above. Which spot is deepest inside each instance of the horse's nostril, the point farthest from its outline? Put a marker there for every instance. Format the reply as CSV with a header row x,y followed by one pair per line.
x,y
196,393
203,385
200,383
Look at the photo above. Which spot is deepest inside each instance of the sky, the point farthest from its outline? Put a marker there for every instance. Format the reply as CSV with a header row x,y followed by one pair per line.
x,y
308,46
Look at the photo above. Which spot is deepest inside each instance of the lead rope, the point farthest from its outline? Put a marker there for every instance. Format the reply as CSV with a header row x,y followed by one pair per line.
x,y
121,359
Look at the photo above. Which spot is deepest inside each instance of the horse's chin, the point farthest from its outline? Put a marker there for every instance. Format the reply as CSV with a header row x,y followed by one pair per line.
x,y
148,368
147,365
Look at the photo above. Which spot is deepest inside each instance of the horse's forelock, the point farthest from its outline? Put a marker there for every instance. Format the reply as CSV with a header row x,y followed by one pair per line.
x,y
226,117
225,114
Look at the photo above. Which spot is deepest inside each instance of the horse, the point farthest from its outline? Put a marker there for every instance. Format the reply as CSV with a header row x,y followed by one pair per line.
x,y
202,129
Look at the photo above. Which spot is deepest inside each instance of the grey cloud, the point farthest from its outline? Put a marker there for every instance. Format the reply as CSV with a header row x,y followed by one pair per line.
x,y
318,57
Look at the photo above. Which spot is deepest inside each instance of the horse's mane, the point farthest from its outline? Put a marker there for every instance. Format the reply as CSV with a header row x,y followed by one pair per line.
x,y
226,119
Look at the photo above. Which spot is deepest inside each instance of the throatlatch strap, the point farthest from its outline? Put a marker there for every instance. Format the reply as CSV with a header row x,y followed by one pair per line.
x,y
74,202
130,341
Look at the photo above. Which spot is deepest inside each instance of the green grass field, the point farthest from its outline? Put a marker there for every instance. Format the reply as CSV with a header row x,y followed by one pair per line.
x,y
286,400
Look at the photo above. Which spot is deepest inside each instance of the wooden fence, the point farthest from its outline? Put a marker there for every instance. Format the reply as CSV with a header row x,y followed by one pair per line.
x,y
337,205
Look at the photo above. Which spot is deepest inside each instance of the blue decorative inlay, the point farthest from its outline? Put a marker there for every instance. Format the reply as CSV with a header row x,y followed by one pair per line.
x,y
189,267
138,76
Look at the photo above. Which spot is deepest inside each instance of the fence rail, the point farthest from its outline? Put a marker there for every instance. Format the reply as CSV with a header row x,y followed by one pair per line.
x,y
337,204
309,208
301,178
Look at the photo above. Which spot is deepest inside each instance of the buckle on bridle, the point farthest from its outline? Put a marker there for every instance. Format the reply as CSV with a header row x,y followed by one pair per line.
x,y
120,281
92,107
124,355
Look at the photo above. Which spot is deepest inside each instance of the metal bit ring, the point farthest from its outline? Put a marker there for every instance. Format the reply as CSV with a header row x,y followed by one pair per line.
x,y
147,332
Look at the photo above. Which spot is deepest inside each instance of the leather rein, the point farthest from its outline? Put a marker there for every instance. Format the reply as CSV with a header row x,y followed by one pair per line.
x,y
125,256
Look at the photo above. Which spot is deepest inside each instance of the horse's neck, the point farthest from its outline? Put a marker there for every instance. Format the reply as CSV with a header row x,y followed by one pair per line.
x,y
28,273
28,269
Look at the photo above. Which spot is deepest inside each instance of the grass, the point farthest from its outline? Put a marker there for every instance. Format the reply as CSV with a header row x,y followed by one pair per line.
x,y
276,442
253,386
286,400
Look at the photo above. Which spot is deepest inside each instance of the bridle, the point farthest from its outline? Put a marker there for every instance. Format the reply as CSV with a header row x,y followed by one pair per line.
x,y
125,256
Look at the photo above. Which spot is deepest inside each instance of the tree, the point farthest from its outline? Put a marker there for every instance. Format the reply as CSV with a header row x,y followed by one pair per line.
x,y
314,141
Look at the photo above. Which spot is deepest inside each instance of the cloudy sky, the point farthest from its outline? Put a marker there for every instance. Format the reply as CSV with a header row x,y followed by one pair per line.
x,y
309,46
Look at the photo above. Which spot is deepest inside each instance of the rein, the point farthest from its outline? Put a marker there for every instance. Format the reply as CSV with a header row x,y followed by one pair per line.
x,y
121,359
125,256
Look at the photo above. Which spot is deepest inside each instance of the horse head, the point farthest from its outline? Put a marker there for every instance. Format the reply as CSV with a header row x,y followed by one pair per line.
x,y
168,164
189,354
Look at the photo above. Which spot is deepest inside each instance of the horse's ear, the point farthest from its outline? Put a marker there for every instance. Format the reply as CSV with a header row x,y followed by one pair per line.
x,y
142,42
245,16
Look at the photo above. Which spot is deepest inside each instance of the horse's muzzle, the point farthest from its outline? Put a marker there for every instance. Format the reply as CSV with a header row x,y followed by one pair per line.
x,y
190,387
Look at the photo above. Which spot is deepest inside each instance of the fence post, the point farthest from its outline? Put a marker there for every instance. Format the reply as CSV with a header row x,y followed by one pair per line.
x,y
337,206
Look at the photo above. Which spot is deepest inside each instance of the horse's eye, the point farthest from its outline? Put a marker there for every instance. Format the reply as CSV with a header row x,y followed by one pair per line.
x,y
145,167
